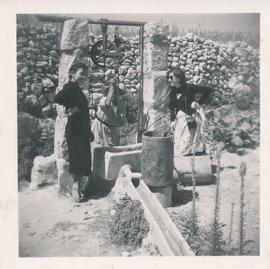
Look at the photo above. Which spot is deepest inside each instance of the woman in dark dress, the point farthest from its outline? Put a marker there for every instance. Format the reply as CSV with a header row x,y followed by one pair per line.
x,y
187,115
78,131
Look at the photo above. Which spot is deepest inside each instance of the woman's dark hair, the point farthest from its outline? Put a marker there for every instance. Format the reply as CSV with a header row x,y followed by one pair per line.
x,y
179,73
75,67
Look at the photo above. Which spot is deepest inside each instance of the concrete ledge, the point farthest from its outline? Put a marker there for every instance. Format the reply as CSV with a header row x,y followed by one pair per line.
x,y
202,169
163,231
114,162
109,160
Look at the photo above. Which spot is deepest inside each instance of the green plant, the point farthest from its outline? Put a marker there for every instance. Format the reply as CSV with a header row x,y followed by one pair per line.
x,y
202,242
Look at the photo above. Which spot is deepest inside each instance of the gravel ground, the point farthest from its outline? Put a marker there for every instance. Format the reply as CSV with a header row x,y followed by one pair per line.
x,y
51,225
230,193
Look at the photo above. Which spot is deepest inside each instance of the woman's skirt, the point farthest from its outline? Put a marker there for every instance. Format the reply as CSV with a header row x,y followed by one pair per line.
x,y
79,151
188,134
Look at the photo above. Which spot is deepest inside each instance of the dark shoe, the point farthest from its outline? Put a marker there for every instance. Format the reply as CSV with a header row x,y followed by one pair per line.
x,y
82,198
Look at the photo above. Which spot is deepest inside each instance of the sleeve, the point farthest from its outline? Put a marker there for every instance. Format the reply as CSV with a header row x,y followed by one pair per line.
x,y
65,97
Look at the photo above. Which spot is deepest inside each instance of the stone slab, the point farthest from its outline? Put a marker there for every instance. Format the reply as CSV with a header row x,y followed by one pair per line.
x,y
156,96
107,161
155,47
43,171
114,162
203,169
156,92
159,120
75,34
155,58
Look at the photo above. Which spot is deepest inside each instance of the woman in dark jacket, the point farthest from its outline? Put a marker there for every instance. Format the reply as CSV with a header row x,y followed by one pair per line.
x,y
187,114
78,131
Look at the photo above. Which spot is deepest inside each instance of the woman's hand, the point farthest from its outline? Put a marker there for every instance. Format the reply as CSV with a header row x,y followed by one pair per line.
x,y
72,110
110,93
195,105
198,110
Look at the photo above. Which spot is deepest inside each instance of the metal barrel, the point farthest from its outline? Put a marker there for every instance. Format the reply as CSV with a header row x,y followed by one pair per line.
x,y
157,159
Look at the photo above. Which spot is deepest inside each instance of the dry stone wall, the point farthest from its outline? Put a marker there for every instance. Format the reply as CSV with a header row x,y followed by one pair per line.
x,y
212,63
205,62
37,69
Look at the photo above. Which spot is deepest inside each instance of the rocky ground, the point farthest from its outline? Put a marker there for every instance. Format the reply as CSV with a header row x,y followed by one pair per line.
x,y
51,225
229,201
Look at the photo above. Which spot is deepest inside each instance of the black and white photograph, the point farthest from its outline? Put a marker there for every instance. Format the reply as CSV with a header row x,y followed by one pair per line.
x,y
138,137
134,135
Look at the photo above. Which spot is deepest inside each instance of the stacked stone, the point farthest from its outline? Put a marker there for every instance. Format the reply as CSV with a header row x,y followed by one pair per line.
x,y
211,63
204,61
37,69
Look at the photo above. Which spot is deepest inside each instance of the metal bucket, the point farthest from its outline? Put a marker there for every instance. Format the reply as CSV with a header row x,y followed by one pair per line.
x,y
157,159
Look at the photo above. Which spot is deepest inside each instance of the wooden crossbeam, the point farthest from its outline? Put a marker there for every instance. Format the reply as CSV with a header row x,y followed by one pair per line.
x,y
58,19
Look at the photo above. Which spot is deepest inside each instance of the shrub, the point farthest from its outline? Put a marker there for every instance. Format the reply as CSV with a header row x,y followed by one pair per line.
x,y
128,226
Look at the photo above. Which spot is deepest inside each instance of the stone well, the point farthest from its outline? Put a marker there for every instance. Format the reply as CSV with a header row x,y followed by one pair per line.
x,y
74,39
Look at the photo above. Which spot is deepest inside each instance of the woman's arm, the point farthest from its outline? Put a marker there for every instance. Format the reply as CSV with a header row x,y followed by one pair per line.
x,y
62,96
66,97
72,110
110,95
